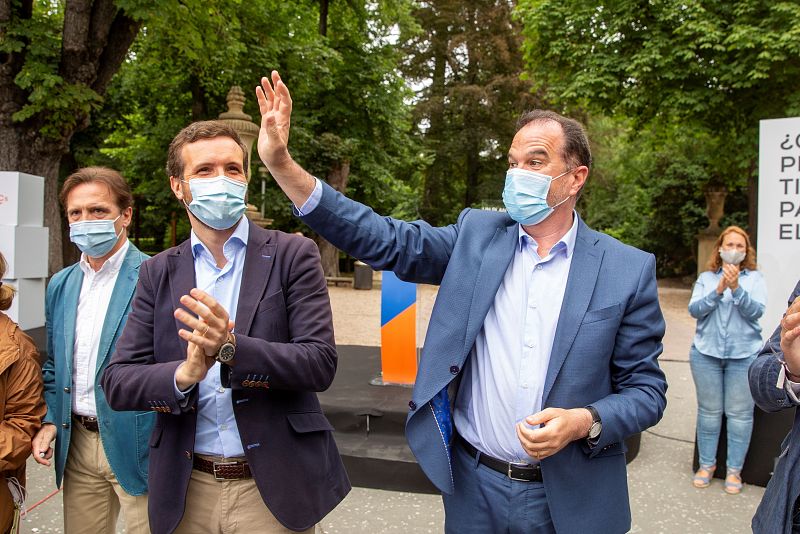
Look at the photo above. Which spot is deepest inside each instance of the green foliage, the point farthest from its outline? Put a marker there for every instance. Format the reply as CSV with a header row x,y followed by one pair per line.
x,y
689,80
466,63
349,101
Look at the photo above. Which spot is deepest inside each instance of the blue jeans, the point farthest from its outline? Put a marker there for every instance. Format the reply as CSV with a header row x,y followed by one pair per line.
x,y
486,501
722,387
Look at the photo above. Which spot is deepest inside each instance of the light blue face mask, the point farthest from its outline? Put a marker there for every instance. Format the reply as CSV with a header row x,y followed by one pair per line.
x,y
217,202
525,196
94,238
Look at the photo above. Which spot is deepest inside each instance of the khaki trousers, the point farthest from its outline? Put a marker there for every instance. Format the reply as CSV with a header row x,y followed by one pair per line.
x,y
226,507
92,495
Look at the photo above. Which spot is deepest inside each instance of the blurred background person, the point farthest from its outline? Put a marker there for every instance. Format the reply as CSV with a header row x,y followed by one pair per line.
x,y
727,301
22,406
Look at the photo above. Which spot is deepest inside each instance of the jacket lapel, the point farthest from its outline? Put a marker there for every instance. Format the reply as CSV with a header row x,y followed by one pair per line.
x,y
581,281
258,262
72,293
494,265
121,297
180,265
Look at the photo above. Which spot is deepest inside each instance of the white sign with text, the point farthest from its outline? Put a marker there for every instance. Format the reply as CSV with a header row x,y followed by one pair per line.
x,y
778,214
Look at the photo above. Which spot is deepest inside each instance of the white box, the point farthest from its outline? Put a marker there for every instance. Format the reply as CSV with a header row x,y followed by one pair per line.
x,y
21,199
27,309
25,250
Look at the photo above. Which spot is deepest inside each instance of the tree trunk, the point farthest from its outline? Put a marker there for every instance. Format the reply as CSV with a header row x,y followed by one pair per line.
x,y
752,204
96,36
323,17
329,255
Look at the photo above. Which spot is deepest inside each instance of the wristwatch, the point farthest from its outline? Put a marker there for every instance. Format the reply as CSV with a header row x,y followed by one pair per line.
x,y
597,425
227,351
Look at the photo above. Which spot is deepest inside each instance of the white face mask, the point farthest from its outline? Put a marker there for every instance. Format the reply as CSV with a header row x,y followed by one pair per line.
x,y
733,257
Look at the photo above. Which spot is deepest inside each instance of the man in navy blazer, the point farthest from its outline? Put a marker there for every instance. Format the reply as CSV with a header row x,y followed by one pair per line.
x,y
775,385
545,333
229,338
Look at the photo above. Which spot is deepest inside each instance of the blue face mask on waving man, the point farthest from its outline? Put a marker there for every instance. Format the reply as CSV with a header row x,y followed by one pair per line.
x,y
217,202
525,195
94,238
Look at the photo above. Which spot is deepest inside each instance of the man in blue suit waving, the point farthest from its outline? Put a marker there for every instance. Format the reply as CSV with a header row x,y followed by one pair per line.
x,y
545,334
100,455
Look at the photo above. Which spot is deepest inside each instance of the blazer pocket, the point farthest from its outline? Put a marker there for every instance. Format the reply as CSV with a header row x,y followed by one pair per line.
x,y
309,422
610,312
271,302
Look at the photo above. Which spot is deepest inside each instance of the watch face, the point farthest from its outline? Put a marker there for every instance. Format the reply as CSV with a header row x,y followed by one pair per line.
x,y
226,352
595,429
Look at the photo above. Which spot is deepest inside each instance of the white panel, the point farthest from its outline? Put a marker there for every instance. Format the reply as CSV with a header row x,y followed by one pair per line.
x,y
21,199
27,309
778,214
25,250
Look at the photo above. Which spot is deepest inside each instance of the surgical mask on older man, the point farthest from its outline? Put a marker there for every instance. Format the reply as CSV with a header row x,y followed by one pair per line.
x,y
525,196
94,238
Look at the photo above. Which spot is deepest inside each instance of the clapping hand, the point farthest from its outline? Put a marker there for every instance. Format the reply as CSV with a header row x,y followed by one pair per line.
x,y
790,337
210,327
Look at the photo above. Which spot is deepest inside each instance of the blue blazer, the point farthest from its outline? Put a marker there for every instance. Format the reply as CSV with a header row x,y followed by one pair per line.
x,y
124,434
774,514
605,351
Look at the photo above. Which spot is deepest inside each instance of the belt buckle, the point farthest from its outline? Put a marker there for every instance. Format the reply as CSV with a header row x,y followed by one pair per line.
x,y
510,465
217,476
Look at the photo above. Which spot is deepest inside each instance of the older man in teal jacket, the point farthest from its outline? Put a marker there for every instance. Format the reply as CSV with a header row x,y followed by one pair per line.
x,y
101,455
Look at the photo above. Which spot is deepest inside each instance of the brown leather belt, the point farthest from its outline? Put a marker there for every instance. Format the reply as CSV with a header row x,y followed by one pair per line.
x,y
89,423
519,472
236,470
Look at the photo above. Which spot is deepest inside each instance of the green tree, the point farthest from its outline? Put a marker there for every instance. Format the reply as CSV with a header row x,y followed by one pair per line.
x,y
56,61
467,62
715,67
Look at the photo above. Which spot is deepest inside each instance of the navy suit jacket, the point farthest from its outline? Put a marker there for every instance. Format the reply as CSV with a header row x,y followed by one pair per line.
x,y
774,514
605,351
285,352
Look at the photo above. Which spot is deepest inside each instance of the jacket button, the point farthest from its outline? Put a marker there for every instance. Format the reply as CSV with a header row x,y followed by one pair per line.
x,y
454,369
188,454
412,405
65,425
66,390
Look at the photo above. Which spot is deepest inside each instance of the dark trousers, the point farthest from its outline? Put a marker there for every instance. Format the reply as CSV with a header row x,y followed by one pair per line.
x,y
487,501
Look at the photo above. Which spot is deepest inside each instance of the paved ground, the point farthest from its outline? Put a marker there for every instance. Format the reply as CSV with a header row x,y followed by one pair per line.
x,y
662,497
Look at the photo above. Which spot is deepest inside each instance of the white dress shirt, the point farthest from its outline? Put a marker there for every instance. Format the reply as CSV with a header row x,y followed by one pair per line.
x,y
93,303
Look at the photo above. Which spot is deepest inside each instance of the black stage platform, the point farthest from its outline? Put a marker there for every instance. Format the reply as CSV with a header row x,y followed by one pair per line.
x,y
369,422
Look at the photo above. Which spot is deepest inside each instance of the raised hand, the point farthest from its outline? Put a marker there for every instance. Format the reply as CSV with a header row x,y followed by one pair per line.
x,y
790,337
275,105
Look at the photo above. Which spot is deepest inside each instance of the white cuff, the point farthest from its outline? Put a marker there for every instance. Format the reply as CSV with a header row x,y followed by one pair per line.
x,y
313,200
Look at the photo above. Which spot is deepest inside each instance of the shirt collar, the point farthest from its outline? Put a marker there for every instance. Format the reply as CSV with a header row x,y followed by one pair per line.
x,y
111,266
238,238
566,243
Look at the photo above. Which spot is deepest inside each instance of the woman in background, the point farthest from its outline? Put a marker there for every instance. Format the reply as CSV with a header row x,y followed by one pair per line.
x,y
21,407
727,301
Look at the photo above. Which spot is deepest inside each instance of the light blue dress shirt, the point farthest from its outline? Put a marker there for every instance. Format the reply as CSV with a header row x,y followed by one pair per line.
x,y
217,433
503,380
504,376
727,324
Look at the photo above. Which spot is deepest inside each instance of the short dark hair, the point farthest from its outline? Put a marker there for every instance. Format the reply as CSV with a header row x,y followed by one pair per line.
x,y
576,149
195,132
119,188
